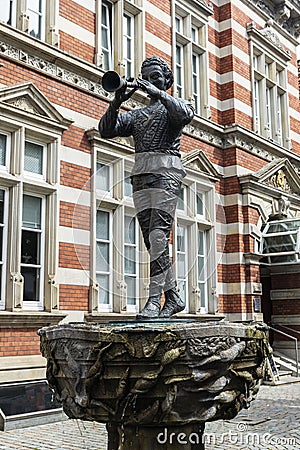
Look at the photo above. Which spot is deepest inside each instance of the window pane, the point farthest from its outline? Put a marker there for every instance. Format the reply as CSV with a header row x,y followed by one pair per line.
x,y
33,159
3,144
2,206
102,225
129,260
35,14
194,35
182,289
103,177
103,281
31,283
102,257
106,35
32,212
200,242
202,288
131,290
127,185
129,224
180,238
8,12
30,251
104,15
181,265
181,199
201,262
34,5
1,244
199,200
178,24
1,227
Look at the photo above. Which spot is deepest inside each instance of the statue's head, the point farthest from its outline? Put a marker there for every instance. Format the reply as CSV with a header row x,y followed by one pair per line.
x,y
157,62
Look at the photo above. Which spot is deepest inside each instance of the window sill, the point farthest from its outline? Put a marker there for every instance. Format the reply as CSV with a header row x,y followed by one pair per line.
x,y
29,319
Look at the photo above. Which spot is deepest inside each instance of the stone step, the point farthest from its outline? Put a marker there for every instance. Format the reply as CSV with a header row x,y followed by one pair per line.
x,y
285,380
285,363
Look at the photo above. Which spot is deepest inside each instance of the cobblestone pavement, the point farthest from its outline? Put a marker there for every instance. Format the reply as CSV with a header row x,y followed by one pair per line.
x,y
271,423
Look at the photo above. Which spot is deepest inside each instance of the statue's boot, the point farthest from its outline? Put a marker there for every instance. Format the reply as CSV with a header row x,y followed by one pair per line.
x,y
151,309
173,304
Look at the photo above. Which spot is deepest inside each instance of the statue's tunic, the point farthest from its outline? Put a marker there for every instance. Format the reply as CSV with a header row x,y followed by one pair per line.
x,y
156,130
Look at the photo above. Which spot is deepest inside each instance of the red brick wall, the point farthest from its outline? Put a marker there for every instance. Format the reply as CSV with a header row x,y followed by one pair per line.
x,y
74,216
73,297
19,342
75,176
74,256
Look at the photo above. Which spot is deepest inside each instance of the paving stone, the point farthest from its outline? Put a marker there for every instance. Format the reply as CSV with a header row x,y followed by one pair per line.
x,y
271,423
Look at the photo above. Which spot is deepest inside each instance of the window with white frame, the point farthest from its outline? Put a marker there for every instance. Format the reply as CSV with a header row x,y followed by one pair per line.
x,y
194,236
8,12
3,243
23,207
4,150
36,17
202,268
131,261
120,47
104,258
182,261
268,61
269,98
127,184
190,57
35,158
32,251
104,177
107,35
118,270
128,44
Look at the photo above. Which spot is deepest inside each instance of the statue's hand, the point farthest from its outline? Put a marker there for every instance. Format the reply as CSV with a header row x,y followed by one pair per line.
x,y
121,95
148,87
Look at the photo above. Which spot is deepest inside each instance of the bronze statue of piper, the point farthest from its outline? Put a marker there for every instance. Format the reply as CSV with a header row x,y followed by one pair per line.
x,y
157,173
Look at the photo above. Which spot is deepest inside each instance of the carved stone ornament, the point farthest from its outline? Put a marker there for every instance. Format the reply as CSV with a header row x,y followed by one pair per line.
x,y
54,70
285,13
268,35
280,174
24,104
141,377
280,181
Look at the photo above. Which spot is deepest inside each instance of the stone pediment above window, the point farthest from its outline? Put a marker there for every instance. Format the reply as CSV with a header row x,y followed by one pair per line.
x,y
279,174
268,40
197,160
26,99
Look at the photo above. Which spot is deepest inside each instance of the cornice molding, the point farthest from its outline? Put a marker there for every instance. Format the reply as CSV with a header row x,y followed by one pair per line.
x,y
285,14
29,319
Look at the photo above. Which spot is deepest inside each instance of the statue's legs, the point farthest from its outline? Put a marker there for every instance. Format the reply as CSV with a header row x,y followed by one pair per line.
x,y
155,199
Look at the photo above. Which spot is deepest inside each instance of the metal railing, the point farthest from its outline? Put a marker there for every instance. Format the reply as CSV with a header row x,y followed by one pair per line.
x,y
287,328
296,345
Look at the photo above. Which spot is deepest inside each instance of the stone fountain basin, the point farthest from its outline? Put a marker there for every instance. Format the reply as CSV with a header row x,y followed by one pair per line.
x,y
170,373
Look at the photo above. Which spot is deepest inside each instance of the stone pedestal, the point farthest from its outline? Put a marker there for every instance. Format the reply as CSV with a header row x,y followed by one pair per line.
x,y
154,384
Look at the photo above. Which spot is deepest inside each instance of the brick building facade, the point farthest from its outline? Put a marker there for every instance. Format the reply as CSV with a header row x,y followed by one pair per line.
x,y
71,247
